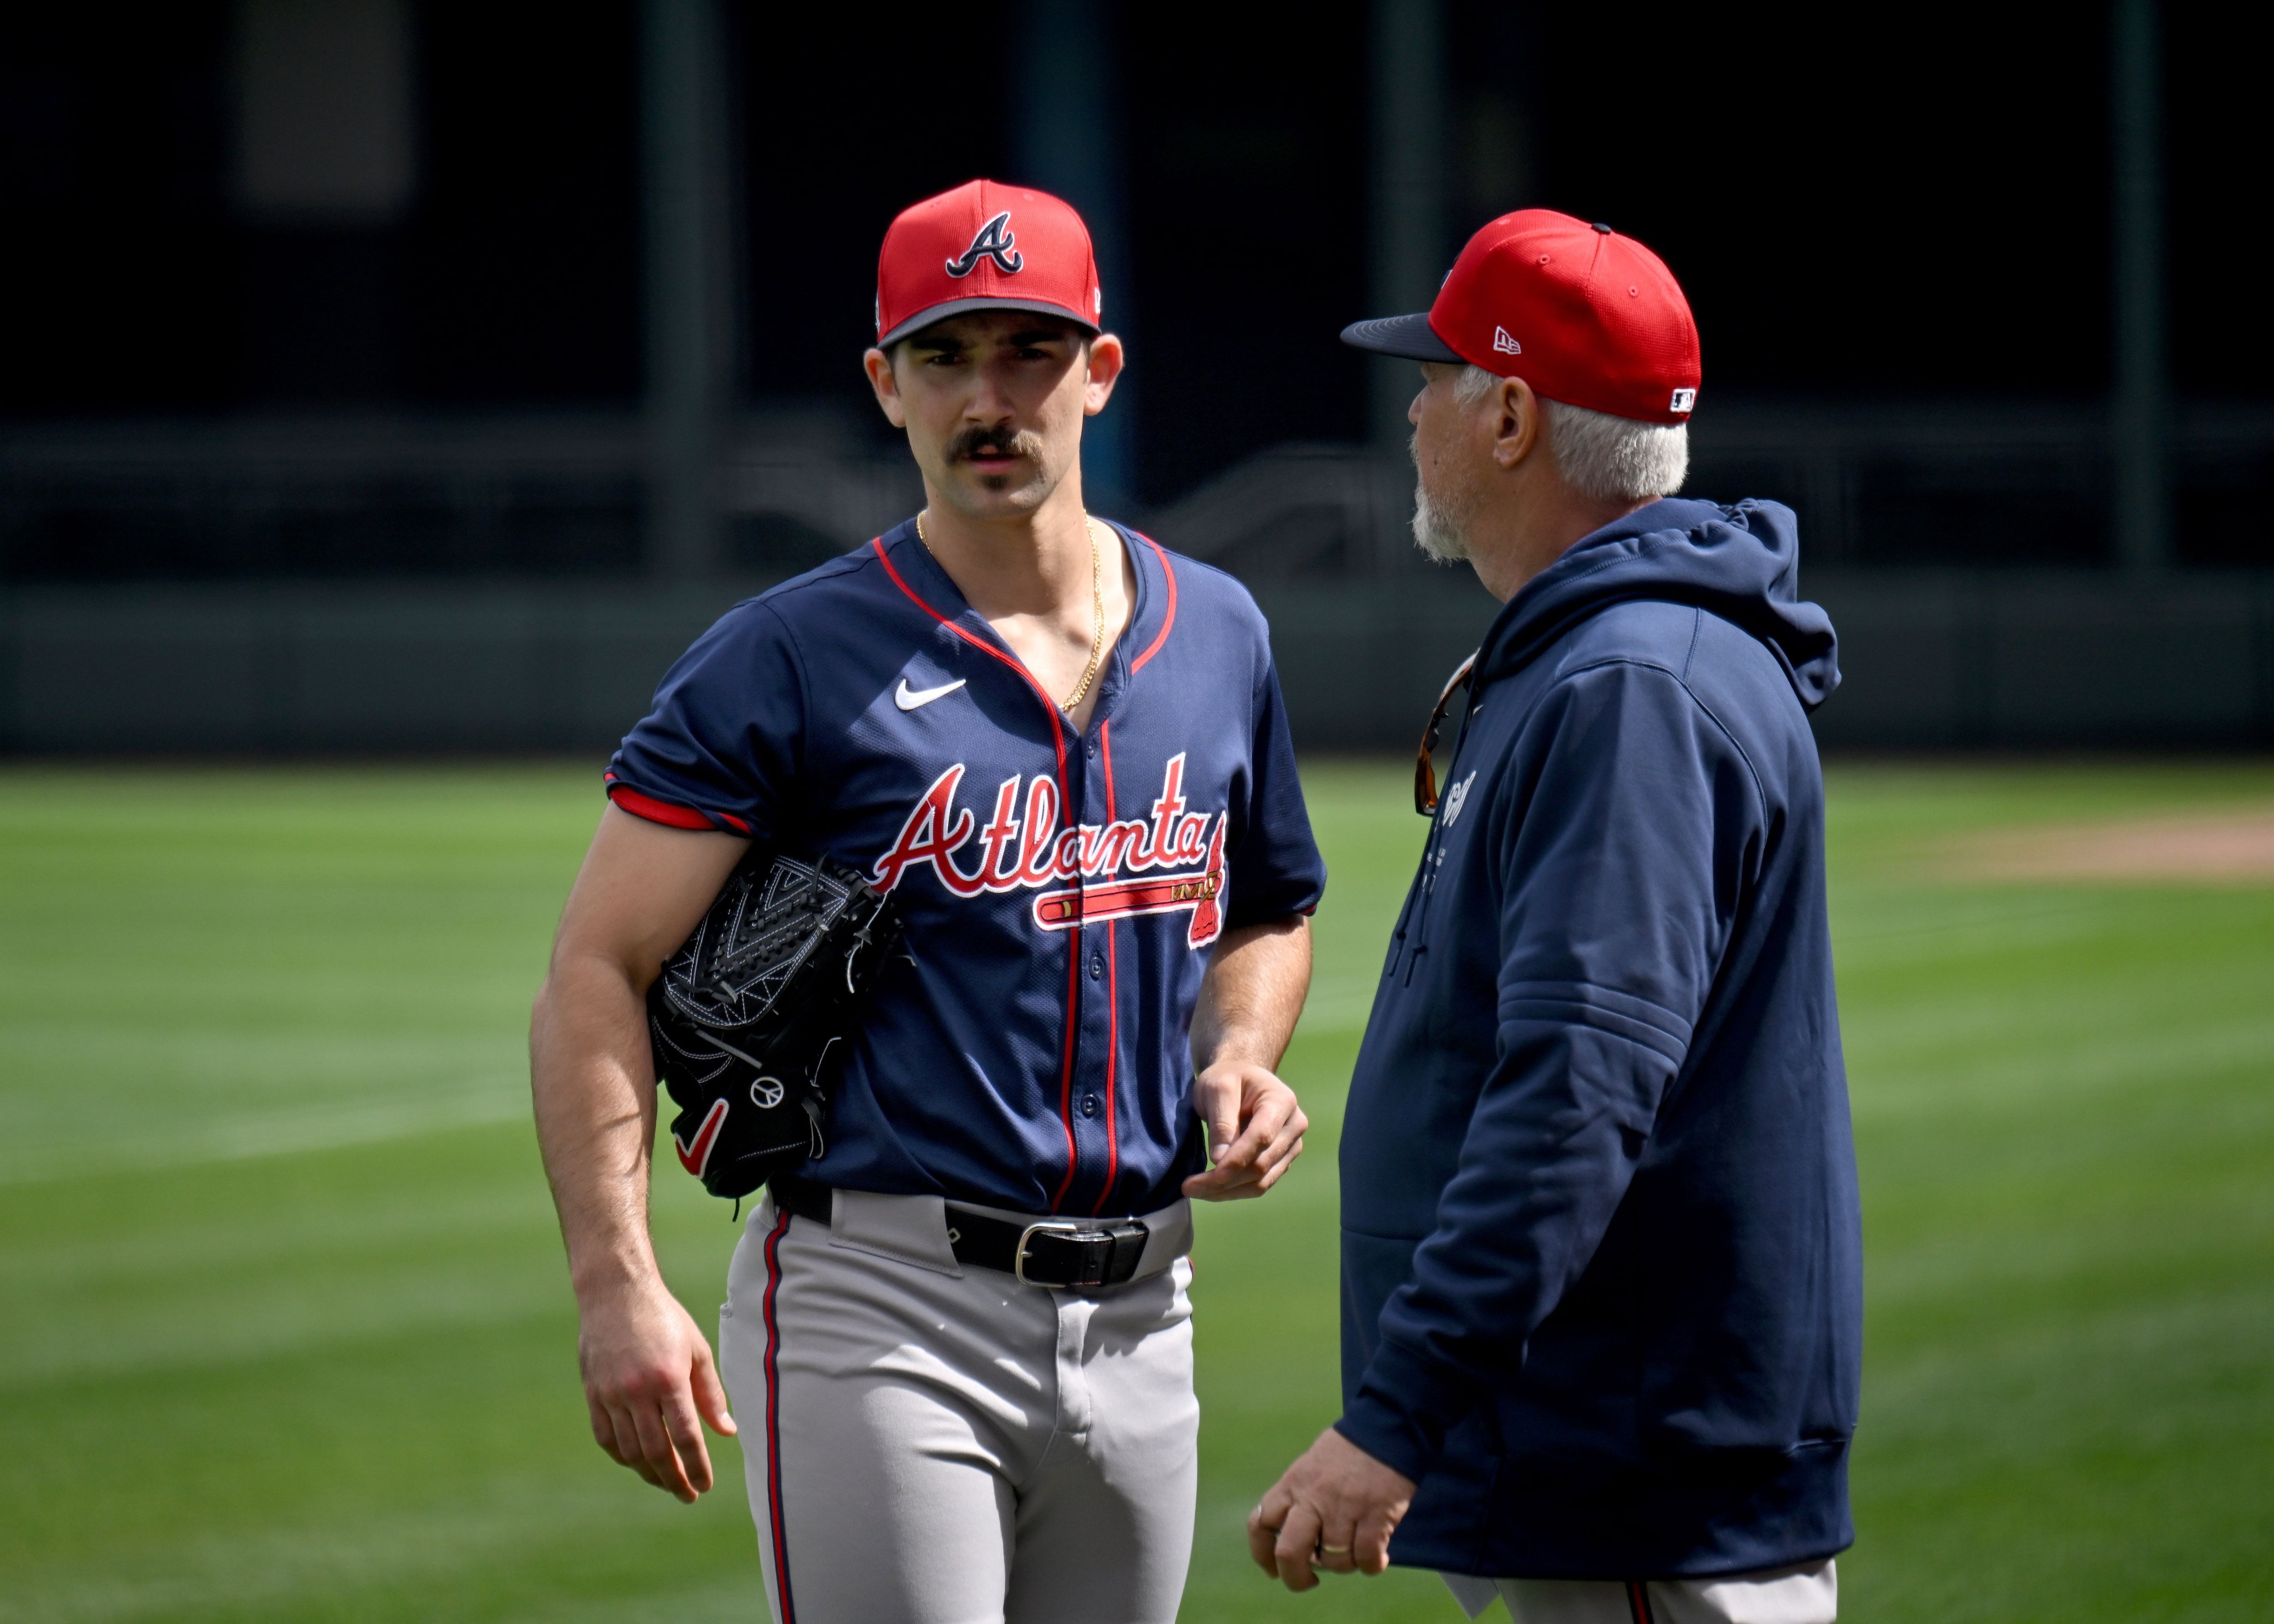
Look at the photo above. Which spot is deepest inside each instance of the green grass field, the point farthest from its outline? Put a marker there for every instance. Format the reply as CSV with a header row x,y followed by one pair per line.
x,y
284,1334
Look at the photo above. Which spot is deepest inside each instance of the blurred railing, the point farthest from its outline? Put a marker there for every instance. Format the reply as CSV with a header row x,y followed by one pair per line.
x,y
1904,487
565,496
322,497
483,584
559,496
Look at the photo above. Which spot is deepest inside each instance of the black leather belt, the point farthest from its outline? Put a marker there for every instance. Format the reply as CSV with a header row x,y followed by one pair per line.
x,y
1057,1252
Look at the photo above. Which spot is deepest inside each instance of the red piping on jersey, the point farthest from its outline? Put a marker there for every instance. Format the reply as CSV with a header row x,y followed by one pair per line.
x,y
773,1425
1638,1602
663,812
1065,1066
1050,705
1168,616
1065,799
1112,998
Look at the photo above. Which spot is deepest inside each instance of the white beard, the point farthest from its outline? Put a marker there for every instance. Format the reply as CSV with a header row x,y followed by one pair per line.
x,y
1440,529
1436,531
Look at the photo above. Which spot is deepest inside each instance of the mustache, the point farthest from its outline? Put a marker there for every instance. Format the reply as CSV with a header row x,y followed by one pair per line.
x,y
1009,441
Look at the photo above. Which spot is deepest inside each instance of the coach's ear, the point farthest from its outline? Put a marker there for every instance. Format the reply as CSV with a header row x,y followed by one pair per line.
x,y
1516,425
878,366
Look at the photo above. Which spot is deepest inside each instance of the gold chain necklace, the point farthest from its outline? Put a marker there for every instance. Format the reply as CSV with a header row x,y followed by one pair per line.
x,y
1096,608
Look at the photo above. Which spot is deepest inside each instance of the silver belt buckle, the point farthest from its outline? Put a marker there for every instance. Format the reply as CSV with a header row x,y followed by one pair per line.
x,y
1066,1226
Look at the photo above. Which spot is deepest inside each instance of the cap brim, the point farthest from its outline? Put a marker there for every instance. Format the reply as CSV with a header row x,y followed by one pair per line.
x,y
923,318
1411,338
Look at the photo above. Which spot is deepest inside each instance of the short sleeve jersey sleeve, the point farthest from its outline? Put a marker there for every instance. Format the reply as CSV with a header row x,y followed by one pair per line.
x,y
723,745
1274,862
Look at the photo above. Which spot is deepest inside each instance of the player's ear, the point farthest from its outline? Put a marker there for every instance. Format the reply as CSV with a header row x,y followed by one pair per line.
x,y
1104,358
886,383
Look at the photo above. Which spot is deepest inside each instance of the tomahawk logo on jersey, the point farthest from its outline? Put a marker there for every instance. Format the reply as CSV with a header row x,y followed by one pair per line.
x,y
1059,890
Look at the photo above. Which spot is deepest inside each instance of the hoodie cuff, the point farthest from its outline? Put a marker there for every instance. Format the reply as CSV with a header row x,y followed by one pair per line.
x,y
1402,1410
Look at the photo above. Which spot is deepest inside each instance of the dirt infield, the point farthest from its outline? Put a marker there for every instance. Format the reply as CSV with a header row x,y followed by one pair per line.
x,y
2230,848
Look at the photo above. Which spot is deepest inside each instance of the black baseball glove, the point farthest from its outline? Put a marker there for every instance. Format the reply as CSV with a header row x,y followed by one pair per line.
x,y
751,1018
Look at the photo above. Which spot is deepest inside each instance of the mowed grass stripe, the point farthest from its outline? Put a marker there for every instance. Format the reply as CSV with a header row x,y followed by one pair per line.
x,y
309,1354
2065,1116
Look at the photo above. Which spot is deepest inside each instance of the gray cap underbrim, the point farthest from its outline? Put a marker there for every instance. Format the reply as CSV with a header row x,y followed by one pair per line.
x,y
1409,337
923,318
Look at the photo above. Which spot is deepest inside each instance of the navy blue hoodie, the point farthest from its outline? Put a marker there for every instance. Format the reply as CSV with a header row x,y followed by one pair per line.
x,y
1601,1252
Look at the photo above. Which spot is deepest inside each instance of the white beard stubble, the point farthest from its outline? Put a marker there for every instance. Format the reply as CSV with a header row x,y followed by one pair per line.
x,y
1439,528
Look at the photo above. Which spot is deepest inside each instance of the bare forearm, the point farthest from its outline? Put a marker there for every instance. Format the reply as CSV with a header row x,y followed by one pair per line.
x,y
594,1093
1252,994
648,1370
1249,999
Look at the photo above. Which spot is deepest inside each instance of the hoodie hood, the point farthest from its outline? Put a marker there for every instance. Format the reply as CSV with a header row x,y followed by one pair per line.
x,y
1740,563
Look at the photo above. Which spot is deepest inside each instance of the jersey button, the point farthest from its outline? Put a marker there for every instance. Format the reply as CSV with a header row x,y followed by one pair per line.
x,y
1097,966
1089,1105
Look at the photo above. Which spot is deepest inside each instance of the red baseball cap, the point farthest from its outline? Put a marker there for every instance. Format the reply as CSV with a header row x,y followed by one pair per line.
x,y
985,246
1581,314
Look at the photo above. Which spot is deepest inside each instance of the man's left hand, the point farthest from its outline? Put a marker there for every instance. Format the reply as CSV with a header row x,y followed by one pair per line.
x,y
1255,1129
1335,1508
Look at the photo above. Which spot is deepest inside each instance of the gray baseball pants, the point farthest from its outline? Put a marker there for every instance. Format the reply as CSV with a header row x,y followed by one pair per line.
x,y
931,1444
1809,1594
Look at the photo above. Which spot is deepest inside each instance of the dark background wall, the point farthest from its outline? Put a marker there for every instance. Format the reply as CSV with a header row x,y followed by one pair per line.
x,y
437,349
510,276
1916,206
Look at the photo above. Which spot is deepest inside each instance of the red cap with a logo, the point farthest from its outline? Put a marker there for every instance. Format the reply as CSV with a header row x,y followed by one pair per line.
x,y
1581,314
985,246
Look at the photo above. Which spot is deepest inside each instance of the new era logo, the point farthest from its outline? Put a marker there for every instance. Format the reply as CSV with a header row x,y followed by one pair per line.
x,y
1683,400
1505,345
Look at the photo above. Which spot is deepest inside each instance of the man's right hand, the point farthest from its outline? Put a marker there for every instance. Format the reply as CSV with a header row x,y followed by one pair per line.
x,y
648,1374
647,1377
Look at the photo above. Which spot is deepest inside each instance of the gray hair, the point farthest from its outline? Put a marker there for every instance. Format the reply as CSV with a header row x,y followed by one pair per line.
x,y
1610,459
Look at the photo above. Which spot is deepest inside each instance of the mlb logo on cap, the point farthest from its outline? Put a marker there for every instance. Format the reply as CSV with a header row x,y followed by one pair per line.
x,y
986,246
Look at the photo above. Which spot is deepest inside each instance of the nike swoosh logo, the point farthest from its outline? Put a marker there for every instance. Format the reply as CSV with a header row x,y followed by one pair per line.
x,y
911,701
697,1157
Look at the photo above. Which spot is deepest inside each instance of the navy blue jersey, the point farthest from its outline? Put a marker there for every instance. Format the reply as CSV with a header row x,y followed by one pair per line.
x,y
1060,890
